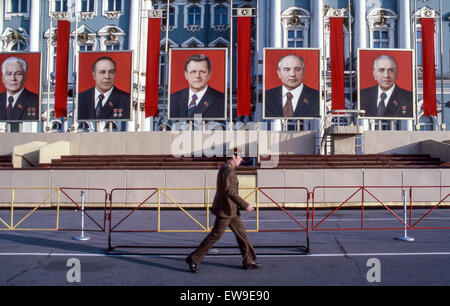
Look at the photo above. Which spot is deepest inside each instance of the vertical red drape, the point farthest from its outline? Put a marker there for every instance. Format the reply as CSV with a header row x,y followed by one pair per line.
x,y
152,72
337,63
429,69
244,90
62,67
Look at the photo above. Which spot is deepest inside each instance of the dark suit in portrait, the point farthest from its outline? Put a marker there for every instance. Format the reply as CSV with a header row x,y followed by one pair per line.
x,y
226,206
26,107
212,104
400,103
307,104
115,108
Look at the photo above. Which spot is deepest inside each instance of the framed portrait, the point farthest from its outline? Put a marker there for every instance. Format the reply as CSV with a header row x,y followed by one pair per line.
x,y
292,83
104,86
20,89
197,84
386,83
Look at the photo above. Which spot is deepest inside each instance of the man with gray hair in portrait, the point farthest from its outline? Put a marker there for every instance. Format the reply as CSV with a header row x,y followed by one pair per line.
x,y
386,99
17,103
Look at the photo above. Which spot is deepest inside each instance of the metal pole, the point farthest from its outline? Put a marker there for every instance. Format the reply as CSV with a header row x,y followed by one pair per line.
x,y
405,236
443,125
82,237
231,66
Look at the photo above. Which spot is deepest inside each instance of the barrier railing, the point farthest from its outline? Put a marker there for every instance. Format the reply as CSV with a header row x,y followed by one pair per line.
x,y
98,197
16,201
24,213
369,196
181,200
401,207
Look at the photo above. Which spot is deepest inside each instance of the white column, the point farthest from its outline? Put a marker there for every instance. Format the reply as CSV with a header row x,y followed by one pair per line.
x,y
262,34
404,28
277,35
133,45
35,19
317,42
317,24
360,35
277,41
404,24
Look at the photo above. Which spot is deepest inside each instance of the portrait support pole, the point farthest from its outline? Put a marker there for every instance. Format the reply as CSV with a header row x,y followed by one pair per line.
x,y
49,57
416,80
74,67
166,59
443,125
137,117
231,67
350,48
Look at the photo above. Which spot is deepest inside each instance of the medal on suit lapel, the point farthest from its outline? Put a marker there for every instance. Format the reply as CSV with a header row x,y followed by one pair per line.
x,y
404,110
306,101
120,113
395,102
115,113
205,104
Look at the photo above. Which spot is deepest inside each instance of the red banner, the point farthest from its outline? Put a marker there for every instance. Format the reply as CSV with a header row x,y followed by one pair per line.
x,y
244,86
337,63
429,69
62,67
153,53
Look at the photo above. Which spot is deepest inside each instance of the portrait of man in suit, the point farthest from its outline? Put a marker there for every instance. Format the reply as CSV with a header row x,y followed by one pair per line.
x,y
293,99
17,103
386,99
199,98
104,101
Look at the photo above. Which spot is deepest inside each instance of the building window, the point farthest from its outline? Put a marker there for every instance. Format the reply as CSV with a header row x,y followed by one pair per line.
x,y
194,16
114,5
295,23
382,24
60,6
295,38
18,6
112,8
19,46
111,38
221,15
381,39
86,39
87,5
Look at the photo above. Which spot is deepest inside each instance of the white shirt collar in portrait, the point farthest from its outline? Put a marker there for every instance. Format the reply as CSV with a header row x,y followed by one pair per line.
x,y
296,93
106,94
15,96
199,94
388,95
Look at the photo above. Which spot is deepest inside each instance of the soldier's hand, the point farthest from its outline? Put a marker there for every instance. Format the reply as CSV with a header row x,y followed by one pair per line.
x,y
249,208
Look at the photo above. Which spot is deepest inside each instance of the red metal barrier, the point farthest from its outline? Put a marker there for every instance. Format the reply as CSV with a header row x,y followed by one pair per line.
x,y
114,225
98,223
387,205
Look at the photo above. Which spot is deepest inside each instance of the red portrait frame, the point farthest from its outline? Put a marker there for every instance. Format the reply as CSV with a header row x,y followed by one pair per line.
x,y
311,79
34,76
405,78
177,81
123,81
